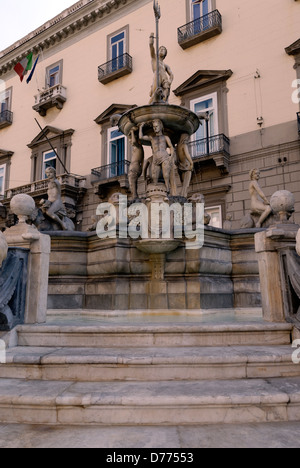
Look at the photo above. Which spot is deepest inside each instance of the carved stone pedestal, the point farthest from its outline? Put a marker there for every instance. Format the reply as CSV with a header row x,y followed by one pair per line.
x,y
279,270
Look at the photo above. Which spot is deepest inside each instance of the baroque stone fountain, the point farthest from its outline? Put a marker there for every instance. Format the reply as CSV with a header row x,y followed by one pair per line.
x,y
167,129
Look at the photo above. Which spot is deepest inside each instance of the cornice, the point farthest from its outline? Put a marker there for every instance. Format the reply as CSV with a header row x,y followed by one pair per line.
x,y
78,17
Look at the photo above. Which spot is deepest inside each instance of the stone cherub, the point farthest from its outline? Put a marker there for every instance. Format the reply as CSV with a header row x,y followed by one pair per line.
x,y
259,202
162,159
185,163
137,161
162,81
54,207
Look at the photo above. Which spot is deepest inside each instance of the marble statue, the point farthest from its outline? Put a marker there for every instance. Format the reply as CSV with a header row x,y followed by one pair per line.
x,y
185,163
54,208
137,162
163,76
259,202
3,248
162,159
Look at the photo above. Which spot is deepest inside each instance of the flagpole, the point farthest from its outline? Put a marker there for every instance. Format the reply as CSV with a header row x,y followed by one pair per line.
x,y
44,134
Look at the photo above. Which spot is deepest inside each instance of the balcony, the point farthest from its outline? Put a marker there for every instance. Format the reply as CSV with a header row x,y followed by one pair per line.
x,y
115,69
200,29
6,118
111,171
71,186
50,97
216,147
298,119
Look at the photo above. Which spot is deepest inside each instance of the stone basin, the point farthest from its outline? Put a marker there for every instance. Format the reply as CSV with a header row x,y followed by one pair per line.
x,y
177,120
157,246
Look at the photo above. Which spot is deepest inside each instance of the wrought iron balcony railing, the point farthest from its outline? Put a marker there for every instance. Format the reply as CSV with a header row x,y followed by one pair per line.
x,y
298,118
6,118
115,68
112,171
210,146
200,29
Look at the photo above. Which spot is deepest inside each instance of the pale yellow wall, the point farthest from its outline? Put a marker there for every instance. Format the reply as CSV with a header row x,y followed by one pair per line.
x,y
254,36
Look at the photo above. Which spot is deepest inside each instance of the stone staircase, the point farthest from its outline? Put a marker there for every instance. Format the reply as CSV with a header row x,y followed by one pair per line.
x,y
150,374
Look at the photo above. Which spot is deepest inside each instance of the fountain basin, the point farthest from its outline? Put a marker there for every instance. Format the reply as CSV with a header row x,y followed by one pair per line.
x,y
176,120
157,246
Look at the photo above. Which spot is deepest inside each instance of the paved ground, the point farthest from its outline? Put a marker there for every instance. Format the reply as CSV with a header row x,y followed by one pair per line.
x,y
272,435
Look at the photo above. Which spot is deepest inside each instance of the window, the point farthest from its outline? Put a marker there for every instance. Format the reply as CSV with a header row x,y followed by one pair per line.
x,y
200,8
117,152
2,179
117,50
54,75
49,160
204,136
215,213
5,107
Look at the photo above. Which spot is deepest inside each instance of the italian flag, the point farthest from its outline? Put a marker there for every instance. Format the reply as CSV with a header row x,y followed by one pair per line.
x,y
24,66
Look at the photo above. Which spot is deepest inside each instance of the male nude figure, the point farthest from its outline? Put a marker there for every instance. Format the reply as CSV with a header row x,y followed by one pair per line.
x,y
185,163
54,205
166,76
137,161
161,158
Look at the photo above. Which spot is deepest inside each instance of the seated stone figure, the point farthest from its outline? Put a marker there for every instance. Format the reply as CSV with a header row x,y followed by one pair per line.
x,y
259,202
54,208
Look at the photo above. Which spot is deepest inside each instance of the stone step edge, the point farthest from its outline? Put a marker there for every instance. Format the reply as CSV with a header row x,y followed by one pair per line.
x,y
156,328
228,355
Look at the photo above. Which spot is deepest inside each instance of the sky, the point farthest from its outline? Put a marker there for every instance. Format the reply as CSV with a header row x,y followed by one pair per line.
x,y
19,17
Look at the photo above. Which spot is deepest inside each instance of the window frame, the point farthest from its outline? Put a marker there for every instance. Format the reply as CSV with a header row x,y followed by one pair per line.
x,y
209,209
6,95
189,9
2,192
205,97
50,159
125,29
58,64
209,10
109,155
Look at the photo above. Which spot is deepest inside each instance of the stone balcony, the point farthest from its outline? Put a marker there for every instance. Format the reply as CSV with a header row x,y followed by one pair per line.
x,y
50,97
200,29
71,186
6,119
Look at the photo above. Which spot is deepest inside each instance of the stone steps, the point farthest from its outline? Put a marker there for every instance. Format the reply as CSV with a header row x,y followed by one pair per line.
x,y
129,372
155,335
149,364
150,403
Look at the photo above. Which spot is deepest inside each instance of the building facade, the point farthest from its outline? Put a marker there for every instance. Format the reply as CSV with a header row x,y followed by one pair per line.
x,y
238,61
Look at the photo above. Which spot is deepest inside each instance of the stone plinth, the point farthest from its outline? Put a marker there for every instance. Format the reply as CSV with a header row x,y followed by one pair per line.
x,y
274,247
28,237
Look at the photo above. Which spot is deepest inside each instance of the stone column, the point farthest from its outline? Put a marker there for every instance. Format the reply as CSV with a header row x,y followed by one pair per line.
x,y
28,237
